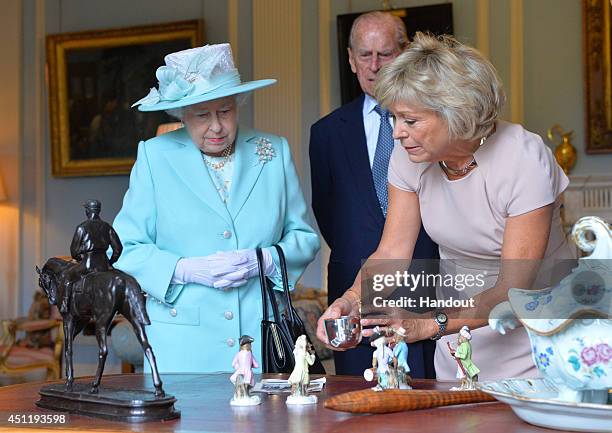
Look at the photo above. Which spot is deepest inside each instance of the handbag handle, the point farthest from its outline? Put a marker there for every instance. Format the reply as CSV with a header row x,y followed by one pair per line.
x,y
262,283
285,280
266,291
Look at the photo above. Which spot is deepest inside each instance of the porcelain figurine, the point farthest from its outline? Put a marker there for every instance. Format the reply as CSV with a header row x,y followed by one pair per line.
x,y
466,369
569,324
382,363
400,359
304,356
243,379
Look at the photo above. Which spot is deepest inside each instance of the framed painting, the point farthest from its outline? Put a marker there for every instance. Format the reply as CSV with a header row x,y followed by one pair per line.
x,y
597,38
94,77
437,19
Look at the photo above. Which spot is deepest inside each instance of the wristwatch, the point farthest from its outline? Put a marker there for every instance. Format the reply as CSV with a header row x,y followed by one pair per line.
x,y
441,320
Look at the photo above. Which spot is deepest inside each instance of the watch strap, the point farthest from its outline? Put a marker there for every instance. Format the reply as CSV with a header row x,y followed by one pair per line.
x,y
441,328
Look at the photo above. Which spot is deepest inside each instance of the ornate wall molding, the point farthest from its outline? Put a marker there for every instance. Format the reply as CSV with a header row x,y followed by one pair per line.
x,y
277,53
516,61
232,29
324,100
482,27
324,58
11,112
588,196
34,151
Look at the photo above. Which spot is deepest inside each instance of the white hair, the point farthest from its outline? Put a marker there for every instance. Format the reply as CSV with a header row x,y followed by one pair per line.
x,y
398,26
177,113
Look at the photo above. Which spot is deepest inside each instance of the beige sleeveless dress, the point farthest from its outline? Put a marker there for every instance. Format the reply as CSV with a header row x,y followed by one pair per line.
x,y
516,173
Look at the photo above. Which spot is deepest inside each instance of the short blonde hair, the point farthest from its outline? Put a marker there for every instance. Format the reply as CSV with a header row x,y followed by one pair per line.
x,y
453,80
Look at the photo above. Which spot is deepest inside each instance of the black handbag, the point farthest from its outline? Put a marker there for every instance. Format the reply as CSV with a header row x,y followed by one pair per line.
x,y
279,332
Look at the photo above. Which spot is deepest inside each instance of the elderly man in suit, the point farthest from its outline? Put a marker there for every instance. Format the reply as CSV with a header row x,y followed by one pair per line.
x,y
349,157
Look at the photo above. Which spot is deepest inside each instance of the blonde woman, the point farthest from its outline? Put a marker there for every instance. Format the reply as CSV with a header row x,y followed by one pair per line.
x,y
485,190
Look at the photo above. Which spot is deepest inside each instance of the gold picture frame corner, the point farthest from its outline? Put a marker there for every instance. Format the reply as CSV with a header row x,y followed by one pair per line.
x,y
60,76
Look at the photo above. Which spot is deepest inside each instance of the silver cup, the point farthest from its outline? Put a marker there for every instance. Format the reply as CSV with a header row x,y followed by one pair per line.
x,y
344,332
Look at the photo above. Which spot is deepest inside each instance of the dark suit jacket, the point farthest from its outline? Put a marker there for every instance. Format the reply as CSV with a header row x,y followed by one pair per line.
x,y
344,199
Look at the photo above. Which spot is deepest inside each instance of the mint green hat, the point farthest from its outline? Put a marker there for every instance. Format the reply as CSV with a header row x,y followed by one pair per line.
x,y
197,75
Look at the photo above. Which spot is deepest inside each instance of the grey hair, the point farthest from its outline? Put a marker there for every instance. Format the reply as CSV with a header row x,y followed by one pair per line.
x,y
177,113
394,20
445,76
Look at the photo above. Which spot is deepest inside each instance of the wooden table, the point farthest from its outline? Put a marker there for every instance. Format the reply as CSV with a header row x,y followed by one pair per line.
x,y
204,404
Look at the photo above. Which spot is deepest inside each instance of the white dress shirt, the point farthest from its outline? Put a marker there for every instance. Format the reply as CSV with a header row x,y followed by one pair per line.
x,y
371,125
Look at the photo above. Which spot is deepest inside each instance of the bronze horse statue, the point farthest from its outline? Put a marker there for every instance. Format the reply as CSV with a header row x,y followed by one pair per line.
x,y
98,296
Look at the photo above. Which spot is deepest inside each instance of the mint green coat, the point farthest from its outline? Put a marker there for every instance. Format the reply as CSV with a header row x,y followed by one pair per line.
x,y
172,210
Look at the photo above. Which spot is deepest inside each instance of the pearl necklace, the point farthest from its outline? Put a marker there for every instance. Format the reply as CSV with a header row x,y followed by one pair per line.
x,y
466,168
226,154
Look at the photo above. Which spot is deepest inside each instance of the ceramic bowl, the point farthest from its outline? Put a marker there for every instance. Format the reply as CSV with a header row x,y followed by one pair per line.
x,y
569,325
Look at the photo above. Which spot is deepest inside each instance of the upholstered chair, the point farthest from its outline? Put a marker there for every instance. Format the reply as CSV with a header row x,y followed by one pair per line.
x,y
31,347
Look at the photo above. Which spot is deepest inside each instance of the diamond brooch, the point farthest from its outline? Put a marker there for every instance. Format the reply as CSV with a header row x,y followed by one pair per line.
x,y
264,150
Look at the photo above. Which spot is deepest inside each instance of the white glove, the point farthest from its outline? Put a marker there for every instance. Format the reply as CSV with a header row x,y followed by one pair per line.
x,y
213,271
246,260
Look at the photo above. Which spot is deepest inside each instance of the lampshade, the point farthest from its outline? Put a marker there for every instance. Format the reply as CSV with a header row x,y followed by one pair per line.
x,y
3,196
167,127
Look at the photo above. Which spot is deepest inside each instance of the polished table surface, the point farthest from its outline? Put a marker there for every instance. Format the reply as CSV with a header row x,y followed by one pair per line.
x,y
203,400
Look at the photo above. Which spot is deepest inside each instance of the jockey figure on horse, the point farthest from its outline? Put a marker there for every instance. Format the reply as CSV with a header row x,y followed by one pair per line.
x,y
104,291
89,245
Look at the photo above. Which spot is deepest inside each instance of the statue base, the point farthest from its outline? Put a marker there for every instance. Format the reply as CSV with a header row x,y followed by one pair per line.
x,y
252,400
301,399
114,404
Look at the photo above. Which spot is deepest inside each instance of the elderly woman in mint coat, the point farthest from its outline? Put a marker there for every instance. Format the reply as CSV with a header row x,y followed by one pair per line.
x,y
200,200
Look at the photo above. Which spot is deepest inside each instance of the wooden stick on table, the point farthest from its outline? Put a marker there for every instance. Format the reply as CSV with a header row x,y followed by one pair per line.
x,y
394,400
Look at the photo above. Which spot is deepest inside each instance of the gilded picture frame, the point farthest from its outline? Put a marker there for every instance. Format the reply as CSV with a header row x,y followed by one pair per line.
x,y
93,78
597,38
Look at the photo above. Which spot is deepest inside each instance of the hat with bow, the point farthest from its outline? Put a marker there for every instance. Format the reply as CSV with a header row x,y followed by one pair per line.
x,y
197,75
